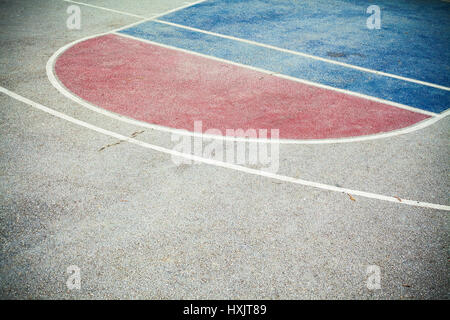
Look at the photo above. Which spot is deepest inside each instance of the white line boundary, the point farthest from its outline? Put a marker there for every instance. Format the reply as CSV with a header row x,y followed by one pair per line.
x,y
259,44
143,19
305,55
61,88
106,9
283,76
223,164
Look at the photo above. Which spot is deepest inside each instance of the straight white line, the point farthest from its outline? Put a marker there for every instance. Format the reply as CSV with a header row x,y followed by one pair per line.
x,y
380,73
186,5
223,164
106,9
154,18
319,85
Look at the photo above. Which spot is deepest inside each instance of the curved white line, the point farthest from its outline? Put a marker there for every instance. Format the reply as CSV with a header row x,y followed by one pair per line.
x,y
61,88
224,164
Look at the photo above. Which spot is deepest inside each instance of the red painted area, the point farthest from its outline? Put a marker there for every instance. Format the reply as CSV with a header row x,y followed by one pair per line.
x,y
174,89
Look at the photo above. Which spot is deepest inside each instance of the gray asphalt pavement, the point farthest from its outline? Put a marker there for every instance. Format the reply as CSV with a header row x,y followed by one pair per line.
x,y
138,226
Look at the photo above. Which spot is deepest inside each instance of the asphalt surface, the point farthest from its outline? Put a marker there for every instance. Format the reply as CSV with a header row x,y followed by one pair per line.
x,y
138,226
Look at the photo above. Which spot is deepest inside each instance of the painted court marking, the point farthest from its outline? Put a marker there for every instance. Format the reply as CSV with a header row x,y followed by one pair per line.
x,y
259,44
343,64
173,89
60,115
223,164
60,87
365,48
56,83
106,9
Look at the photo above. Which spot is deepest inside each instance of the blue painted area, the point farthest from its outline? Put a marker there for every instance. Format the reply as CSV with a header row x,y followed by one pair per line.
x,y
411,94
414,39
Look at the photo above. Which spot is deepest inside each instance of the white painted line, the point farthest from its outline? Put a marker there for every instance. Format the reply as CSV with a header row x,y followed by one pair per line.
x,y
224,164
343,64
60,87
153,15
55,82
106,9
188,4
279,75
